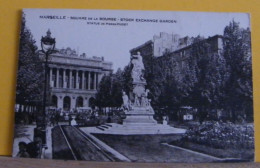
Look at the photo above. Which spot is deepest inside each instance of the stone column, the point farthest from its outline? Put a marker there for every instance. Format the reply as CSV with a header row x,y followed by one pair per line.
x,y
73,102
82,80
100,75
95,80
77,79
51,77
64,78
57,78
89,81
70,77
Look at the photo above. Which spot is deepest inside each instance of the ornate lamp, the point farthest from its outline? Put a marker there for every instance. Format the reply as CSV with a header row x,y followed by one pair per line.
x,y
48,47
48,44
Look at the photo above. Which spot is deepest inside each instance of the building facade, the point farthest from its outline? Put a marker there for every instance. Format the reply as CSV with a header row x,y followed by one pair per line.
x,y
173,43
74,79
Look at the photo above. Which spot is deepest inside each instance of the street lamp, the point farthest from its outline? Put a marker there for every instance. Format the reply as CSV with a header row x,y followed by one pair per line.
x,y
48,47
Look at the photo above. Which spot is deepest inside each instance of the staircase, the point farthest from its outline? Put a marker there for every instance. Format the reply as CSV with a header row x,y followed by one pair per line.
x,y
104,127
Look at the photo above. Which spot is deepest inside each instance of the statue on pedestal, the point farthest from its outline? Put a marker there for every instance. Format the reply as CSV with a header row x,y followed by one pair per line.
x,y
138,109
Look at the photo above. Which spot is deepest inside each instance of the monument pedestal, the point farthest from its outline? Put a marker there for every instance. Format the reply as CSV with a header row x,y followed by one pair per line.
x,y
139,116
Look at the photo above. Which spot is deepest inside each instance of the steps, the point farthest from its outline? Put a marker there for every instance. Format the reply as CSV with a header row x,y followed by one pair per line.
x,y
100,128
104,127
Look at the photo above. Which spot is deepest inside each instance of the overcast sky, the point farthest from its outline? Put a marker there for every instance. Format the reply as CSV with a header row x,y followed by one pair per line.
x,y
114,42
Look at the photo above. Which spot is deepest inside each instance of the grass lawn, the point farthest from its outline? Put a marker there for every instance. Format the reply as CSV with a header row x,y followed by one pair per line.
x,y
148,148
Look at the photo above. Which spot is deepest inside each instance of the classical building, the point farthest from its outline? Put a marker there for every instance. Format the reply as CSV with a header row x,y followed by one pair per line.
x,y
74,78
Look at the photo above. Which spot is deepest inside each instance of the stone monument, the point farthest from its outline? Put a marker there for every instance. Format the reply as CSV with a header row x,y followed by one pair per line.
x,y
139,109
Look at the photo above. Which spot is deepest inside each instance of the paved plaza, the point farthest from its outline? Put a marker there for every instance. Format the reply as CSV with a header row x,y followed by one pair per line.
x,y
119,129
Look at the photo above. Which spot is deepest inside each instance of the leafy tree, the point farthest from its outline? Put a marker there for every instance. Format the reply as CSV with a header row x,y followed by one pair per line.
x,y
30,70
127,79
208,68
110,90
103,96
237,52
117,88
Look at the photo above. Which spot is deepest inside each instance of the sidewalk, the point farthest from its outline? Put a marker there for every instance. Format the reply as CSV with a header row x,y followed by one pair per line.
x,y
22,133
47,154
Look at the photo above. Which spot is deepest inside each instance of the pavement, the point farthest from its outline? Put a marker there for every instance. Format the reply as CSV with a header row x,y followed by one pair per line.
x,y
138,129
22,133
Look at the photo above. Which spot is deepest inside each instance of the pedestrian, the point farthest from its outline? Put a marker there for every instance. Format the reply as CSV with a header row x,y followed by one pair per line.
x,y
22,150
35,148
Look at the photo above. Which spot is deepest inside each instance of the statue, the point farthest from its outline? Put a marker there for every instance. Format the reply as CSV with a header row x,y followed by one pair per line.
x,y
138,68
146,96
137,101
138,94
143,101
125,101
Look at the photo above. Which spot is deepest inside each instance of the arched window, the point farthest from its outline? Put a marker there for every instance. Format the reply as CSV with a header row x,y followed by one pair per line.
x,y
79,102
66,103
92,102
54,101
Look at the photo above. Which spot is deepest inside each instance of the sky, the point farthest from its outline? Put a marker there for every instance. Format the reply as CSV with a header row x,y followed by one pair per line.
x,y
113,42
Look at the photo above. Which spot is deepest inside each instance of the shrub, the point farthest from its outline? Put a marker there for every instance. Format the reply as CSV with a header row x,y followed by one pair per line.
x,y
222,135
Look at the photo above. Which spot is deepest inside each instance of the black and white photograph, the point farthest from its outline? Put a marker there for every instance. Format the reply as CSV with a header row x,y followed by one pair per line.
x,y
134,86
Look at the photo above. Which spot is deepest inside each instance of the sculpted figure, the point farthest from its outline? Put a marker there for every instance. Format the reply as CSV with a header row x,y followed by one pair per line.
x,y
125,101
146,96
138,67
143,101
136,101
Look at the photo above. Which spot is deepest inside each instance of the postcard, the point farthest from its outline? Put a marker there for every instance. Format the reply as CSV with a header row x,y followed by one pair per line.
x,y
134,86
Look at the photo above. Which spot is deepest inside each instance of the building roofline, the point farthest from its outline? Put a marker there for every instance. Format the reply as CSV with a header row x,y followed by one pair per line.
x,y
142,45
151,41
79,58
189,46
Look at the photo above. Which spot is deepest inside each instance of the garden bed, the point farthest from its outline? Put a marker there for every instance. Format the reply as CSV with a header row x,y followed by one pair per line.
x,y
219,139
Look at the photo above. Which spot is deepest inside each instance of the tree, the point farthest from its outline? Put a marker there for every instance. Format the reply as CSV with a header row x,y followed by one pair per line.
x,y
210,74
103,96
127,79
30,70
237,52
110,90
117,88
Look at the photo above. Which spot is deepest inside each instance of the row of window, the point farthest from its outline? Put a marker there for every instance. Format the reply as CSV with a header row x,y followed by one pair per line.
x,y
84,85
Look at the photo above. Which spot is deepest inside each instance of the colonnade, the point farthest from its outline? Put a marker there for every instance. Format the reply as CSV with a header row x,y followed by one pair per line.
x,y
74,79
25,108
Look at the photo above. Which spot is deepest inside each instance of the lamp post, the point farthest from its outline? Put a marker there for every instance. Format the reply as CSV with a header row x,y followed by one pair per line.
x,y
48,47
